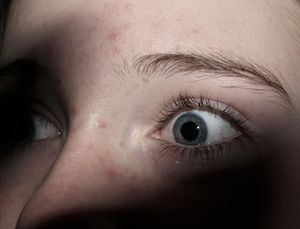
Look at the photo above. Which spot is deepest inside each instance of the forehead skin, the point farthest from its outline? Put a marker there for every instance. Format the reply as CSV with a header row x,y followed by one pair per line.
x,y
73,33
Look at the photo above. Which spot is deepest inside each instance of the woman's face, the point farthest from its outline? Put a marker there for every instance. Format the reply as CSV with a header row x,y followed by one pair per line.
x,y
147,113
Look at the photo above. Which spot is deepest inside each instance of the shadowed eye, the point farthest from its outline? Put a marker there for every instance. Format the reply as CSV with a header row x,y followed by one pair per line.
x,y
43,129
20,125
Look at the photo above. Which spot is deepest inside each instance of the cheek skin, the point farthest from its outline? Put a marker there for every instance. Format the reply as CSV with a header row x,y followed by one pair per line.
x,y
103,125
94,176
21,177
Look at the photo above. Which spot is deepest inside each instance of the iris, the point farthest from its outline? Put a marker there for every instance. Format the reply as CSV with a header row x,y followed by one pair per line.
x,y
190,129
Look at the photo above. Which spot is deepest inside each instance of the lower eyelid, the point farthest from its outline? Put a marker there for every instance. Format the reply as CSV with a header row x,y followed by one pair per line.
x,y
167,156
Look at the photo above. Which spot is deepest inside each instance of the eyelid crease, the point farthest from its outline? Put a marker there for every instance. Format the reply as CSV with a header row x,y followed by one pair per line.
x,y
216,65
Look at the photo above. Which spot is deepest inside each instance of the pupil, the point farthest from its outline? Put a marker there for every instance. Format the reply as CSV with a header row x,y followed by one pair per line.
x,y
190,131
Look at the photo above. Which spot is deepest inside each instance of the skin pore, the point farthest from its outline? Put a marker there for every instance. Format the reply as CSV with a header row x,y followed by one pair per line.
x,y
108,77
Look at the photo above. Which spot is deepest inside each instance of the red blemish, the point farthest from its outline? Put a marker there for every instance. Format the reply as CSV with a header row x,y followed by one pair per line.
x,y
102,125
128,6
112,36
115,51
107,165
109,172
73,110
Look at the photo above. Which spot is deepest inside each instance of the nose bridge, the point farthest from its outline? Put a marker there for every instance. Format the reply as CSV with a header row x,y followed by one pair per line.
x,y
85,175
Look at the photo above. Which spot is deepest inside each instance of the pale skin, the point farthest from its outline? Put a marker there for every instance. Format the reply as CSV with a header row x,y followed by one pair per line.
x,y
105,160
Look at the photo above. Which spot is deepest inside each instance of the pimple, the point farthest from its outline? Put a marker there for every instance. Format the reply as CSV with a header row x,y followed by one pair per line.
x,y
108,167
112,36
102,124
110,172
128,7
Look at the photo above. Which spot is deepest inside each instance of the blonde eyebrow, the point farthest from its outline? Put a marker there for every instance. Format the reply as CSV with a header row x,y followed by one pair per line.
x,y
217,65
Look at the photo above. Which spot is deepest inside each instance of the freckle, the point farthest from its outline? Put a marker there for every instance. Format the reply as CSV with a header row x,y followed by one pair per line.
x,y
102,125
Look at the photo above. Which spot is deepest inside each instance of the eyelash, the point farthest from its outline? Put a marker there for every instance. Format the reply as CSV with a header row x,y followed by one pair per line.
x,y
205,153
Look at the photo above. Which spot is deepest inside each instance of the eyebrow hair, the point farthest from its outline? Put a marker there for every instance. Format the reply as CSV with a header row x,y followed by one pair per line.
x,y
216,65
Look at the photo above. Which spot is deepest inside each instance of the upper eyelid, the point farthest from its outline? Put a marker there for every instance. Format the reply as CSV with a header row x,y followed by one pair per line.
x,y
186,100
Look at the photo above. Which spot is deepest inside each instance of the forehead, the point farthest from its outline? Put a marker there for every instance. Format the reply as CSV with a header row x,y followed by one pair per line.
x,y
266,31
243,23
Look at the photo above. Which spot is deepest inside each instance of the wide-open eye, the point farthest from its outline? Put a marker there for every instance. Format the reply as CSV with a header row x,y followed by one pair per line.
x,y
199,128
193,129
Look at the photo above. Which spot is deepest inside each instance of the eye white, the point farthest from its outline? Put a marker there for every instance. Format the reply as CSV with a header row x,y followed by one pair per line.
x,y
43,128
218,129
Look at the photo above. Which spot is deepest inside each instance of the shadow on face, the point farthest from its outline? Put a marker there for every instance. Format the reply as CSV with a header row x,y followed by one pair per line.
x,y
233,198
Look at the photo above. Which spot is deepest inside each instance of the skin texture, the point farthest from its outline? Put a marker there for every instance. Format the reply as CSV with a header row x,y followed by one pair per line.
x,y
103,170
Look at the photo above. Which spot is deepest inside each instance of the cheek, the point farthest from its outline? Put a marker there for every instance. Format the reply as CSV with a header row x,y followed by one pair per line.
x,y
20,175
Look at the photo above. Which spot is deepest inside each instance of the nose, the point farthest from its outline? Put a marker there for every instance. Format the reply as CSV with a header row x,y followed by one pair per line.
x,y
86,184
